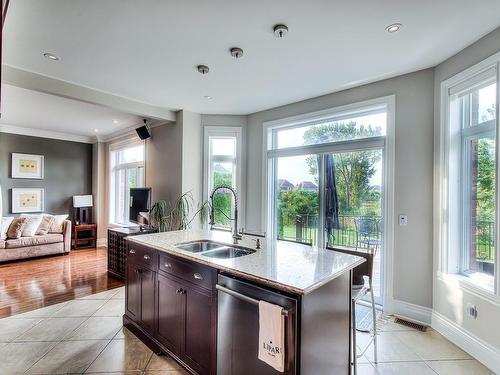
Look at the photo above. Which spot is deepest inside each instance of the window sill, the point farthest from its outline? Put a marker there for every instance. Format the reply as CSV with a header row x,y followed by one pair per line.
x,y
467,284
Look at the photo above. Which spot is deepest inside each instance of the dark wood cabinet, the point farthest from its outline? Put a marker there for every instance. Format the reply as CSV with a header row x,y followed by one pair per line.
x,y
133,292
172,303
140,295
198,338
170,318
148,281
117,248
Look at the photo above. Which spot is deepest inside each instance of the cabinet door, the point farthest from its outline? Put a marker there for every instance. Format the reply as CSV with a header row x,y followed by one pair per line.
x,y
133,292
170,313
148,299
199,336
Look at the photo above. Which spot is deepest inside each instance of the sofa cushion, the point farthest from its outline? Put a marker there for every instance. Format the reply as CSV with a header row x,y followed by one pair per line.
x,y
16,227
2,244
6,221
33,241
45,225
32,225
58,224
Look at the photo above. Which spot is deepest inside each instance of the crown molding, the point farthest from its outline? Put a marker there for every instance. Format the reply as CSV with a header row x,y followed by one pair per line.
x,y
11,129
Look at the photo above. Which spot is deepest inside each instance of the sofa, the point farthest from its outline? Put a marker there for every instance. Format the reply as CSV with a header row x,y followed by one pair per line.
x,y
36,246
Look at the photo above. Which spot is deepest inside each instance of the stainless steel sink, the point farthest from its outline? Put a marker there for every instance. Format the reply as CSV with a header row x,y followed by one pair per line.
x,y
213,249
199,246
228,252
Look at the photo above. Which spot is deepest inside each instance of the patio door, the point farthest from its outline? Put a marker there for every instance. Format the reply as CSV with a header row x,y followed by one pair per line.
x,y
329,181
353,205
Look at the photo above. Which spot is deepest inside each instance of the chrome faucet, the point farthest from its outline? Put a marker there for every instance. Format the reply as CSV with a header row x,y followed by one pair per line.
x,y
236,235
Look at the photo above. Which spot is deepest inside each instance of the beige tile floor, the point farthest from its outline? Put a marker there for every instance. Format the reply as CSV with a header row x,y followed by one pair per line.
x,y
75,337
86,336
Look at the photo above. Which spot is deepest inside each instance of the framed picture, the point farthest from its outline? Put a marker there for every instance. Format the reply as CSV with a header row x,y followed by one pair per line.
x,y
27,166
27,200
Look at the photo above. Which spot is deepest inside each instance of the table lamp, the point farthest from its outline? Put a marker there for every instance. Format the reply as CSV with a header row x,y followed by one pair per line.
x,y
82,204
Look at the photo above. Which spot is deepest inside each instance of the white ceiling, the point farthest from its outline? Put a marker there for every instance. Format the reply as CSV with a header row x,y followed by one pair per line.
x,y
147,50
35,110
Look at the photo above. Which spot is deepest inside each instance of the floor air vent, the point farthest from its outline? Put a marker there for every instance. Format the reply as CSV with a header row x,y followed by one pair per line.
x,y
409,323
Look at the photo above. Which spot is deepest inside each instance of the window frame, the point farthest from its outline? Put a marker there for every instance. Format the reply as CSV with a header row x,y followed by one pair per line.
x,y
114,168
223,132
449,203
385,142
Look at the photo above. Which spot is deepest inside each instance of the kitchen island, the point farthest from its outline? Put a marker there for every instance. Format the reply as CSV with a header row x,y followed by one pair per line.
x,y
200,305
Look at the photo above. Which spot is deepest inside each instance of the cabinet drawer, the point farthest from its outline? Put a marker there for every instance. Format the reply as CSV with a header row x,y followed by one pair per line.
x,y
192,272
143,256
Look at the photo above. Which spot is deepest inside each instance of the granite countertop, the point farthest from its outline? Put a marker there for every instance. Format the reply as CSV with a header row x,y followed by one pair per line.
x,y
288,266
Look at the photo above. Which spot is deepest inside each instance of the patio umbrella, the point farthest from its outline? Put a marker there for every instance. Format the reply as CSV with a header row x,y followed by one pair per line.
x,y
331,198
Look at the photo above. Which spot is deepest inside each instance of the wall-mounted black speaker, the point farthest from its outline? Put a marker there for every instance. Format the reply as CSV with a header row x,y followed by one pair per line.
x,y
143,132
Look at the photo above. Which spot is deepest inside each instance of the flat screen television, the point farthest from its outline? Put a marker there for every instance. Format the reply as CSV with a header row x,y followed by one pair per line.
x,y
140,204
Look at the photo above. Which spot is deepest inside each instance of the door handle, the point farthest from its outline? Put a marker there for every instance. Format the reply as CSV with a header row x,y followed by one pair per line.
x,y
198,276
147,257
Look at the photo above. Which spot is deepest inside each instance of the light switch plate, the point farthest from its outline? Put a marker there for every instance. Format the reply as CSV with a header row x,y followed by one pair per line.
x,y
403,219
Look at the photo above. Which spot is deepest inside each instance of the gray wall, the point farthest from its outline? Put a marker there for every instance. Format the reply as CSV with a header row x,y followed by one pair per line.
x,y
413,172
68,170
449,299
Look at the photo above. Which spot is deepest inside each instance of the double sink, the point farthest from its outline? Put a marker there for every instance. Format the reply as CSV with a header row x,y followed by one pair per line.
x,y
214,249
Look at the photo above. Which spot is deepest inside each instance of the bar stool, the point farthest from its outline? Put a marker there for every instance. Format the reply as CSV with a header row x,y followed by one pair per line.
x,y
358,291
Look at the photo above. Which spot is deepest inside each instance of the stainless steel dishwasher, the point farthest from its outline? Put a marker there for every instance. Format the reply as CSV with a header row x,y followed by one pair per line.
x,y
238,328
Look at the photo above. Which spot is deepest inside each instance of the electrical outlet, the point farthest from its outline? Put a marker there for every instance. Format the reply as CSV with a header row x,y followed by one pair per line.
x,y
471,310
403,220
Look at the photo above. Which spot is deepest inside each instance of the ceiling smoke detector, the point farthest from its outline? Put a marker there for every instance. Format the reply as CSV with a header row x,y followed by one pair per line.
x,y
51,56
280,30
236,52
395,27
203,69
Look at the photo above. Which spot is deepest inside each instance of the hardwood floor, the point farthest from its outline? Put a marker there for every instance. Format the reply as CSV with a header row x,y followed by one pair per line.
x,y
31,284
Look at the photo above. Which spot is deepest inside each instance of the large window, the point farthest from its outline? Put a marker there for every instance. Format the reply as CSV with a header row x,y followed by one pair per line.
x,y
222,168
326,184
127,171
472,123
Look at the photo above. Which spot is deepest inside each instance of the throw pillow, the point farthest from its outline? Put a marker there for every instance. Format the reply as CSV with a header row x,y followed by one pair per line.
x,y
16,227
45,224
6,221
57,224
32,225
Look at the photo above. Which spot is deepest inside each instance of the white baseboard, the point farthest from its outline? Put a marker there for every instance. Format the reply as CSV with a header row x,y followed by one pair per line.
x,y
102,242
476,347
409,310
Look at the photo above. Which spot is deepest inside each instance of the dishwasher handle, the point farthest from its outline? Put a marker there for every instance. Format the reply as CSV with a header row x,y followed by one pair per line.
x,y
243,297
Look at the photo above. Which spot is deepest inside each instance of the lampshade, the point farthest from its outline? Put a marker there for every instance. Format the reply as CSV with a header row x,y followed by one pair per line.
x,y
82,201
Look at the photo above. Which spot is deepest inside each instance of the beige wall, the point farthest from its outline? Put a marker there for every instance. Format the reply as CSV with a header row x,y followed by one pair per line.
x,y
164,162
449,298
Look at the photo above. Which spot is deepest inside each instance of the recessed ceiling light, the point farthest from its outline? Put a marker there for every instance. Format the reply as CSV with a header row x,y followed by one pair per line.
x,y
115,121
395,27
208,97
51,56
96,130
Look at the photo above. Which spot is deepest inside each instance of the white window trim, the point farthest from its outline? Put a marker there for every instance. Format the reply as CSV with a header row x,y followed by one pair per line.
x,y
224,131
443,201
389,161
116,146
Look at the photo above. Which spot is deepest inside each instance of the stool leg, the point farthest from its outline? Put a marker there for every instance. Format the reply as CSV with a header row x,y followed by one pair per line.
x,y
374,317
354,349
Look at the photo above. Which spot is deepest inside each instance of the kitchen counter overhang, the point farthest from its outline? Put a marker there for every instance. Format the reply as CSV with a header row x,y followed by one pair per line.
x,y
287,266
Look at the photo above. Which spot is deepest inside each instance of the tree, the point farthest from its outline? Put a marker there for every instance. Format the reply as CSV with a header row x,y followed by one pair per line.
x,y
353,169
222,200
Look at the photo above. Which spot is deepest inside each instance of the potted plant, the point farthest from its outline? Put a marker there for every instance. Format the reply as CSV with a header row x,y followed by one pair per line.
x,y
177,216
